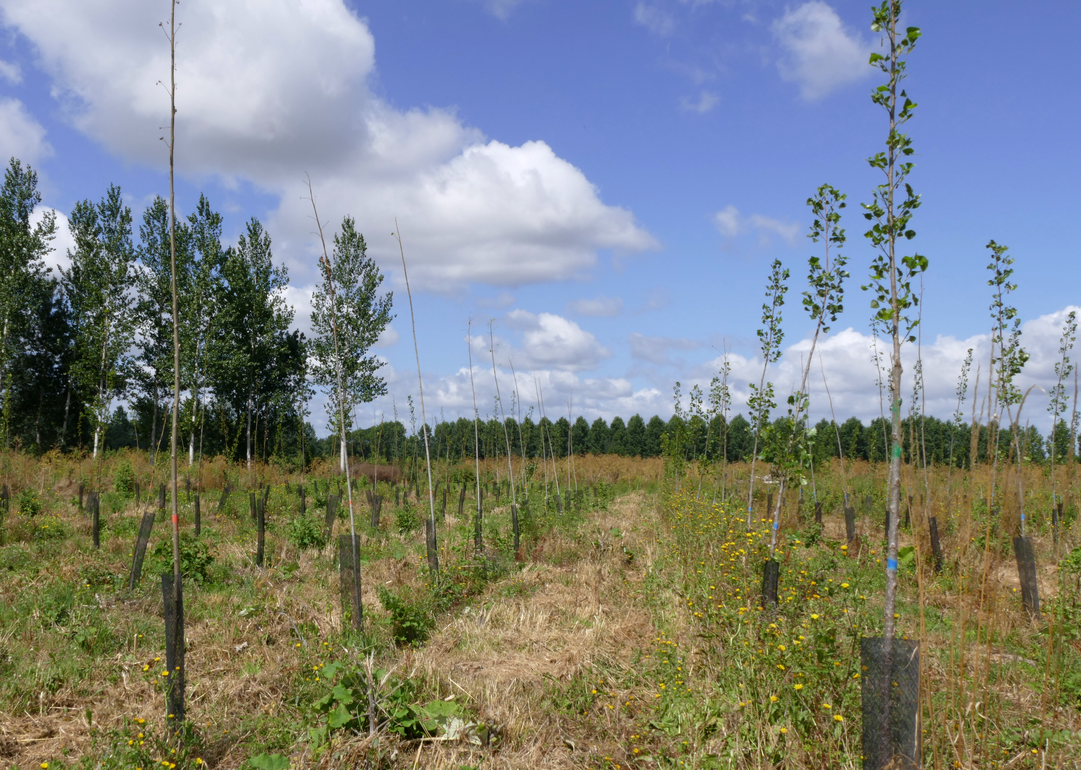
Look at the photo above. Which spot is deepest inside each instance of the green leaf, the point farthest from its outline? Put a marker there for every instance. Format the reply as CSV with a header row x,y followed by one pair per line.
x,y
339,717
269,762
342,694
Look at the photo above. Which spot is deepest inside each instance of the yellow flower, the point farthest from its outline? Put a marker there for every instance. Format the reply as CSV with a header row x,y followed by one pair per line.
x,y
814,616
838,718
798,687
773,699
784,731
826,706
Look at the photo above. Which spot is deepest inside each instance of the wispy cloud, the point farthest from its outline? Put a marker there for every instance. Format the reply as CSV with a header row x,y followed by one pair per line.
x,y
598,307
707,100
655,19
731,223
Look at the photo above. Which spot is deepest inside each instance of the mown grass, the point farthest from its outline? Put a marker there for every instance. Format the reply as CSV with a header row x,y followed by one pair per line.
x,y
629,633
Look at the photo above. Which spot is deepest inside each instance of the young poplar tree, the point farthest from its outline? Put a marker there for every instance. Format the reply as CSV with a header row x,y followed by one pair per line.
x,y
98,284
176,682
362,313
1007,356
823,302
770,335
199,310
160,242
958,419
720,401
1057,406
254,321
890,212
22,250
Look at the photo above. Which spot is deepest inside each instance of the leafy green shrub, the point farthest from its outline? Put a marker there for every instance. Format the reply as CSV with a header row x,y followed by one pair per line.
x,y
347,705
411,621
124,480
305,532
407,519
29,502
195,558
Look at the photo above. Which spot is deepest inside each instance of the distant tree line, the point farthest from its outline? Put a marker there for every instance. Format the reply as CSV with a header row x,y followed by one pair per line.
x,y
929,437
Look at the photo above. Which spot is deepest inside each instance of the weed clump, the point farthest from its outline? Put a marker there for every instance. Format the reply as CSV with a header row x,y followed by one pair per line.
x,y
304,533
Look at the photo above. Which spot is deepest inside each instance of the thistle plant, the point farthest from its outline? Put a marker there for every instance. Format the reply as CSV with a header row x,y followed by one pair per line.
x,y
890,212
761,400
1057,407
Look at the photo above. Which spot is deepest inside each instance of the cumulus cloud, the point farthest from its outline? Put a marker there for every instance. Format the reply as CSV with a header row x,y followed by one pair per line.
x,y
846,358
598,307
655,19
296,100
731,223
820,53
450,396
21,135
62,242
550,341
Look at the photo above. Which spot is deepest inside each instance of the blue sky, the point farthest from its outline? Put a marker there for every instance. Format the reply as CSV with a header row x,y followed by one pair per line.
x,y
607,182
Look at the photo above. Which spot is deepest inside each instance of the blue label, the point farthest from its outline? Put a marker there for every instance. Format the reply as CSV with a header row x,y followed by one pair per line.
x,y
776,525
891,564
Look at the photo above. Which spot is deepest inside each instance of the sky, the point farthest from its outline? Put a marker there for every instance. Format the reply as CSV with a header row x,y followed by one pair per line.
x,y
603,184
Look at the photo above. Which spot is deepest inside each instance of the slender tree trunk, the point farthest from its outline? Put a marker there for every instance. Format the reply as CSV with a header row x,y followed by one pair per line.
x,y
67,413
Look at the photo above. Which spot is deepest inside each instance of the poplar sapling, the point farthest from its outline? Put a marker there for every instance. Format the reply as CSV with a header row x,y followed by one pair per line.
x,y
1057,406
1007,356
770,335
823,301
890,212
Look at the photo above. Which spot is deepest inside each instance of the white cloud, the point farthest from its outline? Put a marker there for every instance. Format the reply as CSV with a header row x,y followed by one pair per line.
x,y
730,223
657,299
295,101
598,307
655,19
21,136
707,100
847,357
821,55
62,242
388,337
787,231
542,341
502,8
11,72
657,350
